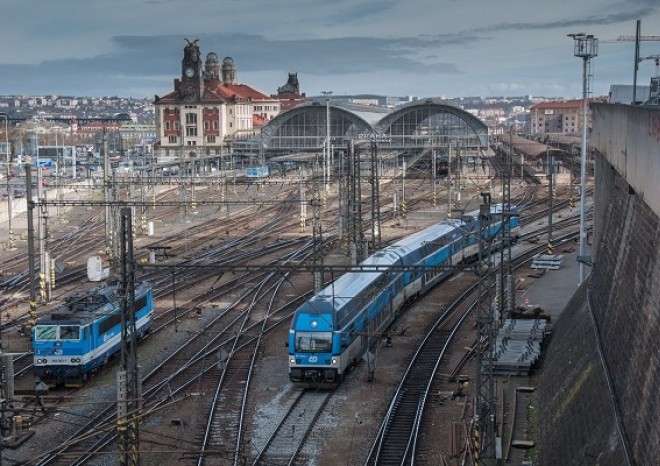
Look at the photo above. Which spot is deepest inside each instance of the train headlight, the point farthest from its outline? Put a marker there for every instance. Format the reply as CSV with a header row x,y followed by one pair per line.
x,y
334,361
75,360
292,360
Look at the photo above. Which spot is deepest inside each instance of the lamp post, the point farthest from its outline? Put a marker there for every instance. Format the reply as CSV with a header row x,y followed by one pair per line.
x,y
6,117
585,47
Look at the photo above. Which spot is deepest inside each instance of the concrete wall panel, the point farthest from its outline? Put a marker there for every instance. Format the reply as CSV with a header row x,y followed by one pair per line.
x,y
629,138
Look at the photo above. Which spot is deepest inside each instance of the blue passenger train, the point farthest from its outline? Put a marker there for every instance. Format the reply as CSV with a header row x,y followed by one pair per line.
x,y
81,335
331,332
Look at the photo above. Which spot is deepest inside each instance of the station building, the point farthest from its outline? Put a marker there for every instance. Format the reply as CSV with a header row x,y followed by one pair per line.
x,y
208,109
209,113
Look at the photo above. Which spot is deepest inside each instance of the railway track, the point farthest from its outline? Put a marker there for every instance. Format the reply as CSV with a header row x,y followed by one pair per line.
x,y
193,367
285,444
398,439
250,352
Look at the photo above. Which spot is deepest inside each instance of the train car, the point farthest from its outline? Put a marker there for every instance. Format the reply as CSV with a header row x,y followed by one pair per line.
x,y
331,332
80,336
257,172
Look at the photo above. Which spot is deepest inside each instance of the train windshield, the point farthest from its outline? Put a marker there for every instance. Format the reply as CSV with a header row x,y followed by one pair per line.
x,y
69,332
45,332
314,342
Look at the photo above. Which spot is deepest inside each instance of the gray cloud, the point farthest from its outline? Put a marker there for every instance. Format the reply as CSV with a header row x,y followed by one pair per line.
x,y
134,64
158,56
593,20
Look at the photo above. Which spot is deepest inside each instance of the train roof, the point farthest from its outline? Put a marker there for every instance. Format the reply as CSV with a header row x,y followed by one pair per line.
x,y
431,233
85,307
349,284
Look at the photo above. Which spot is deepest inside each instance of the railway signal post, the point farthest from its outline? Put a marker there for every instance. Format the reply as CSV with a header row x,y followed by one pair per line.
x,y
129,384
484,436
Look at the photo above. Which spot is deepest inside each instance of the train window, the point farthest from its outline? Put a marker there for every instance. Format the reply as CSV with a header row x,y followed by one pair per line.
x,y
45,332
109,323
141,303
314,342
69,332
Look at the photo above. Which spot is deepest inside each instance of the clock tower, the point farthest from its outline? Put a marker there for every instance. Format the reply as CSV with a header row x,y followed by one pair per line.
x,y
192,79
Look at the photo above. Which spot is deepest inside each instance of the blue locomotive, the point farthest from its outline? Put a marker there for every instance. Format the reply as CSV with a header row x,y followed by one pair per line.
x,y
331,332
81,335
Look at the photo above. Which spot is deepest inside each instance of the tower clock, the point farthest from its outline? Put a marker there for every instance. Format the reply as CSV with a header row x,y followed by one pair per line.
x,y
192,80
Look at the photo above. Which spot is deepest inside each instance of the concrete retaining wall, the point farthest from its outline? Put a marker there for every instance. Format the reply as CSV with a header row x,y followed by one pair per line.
x,y
585,384
629,137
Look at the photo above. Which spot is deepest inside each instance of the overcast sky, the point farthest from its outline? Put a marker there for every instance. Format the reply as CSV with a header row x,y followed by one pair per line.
x,y
425,48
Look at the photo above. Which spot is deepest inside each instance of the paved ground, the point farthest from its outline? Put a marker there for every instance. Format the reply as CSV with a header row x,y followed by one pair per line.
x,y
552,291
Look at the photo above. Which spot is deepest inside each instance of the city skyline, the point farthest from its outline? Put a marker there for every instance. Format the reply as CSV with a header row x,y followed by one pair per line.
x,y
424,48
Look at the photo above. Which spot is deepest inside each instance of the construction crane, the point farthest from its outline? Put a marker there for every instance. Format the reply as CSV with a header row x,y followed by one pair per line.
x,y
637,38
632,38
656,58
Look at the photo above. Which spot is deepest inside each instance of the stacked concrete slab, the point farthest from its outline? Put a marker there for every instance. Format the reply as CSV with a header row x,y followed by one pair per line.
x,y
518,346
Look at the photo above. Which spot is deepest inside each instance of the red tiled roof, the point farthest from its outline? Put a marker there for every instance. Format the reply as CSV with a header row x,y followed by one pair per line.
x,y
219,93
212,96
244,91
172,97
258,120
558,104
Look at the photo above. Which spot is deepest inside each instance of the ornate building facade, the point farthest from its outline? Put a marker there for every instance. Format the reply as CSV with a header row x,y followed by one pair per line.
x,y
208,109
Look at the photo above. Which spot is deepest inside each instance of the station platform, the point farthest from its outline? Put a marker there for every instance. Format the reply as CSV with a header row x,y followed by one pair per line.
x,y
553,289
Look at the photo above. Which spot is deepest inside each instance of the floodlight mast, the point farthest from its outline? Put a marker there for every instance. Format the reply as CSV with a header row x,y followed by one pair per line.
x,y
585,47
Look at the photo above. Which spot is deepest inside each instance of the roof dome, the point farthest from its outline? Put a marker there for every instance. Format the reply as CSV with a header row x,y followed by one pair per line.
x,y
212,57
228,61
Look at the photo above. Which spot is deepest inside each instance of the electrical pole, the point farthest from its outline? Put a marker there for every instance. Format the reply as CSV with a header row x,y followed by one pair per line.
x,y
637,37
129,385
10,214
506,286
550,198
109,243
449,170
317,236
356,236
375,198
342,189
485,406
31,259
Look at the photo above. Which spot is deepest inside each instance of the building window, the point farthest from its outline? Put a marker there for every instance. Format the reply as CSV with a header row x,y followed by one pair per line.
x,y
191,130
167,125
191,118
176,125
231,125
206,126
172,139
210,139
215,124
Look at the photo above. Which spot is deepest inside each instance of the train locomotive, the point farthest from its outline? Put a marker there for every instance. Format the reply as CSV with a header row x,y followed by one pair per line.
x,y
331,332
81,335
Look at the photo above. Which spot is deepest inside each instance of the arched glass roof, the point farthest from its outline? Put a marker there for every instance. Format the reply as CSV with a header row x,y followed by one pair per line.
x,y
431,121
305,127
417,124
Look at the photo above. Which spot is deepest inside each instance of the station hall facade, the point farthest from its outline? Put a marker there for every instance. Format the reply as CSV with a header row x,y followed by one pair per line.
x,y
209,109
210,113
